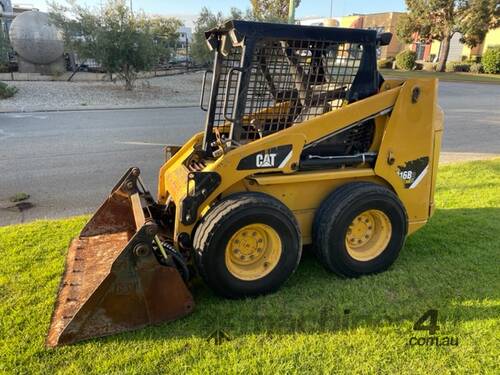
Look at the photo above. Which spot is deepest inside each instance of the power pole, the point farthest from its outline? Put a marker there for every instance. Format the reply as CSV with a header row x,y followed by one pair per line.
x,y
187,52
291,12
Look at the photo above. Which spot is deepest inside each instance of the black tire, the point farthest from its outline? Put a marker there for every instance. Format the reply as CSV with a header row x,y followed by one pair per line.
x,y
226,218
337,212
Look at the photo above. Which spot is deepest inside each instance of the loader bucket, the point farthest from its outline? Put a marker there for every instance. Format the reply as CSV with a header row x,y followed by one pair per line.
x,y
113,281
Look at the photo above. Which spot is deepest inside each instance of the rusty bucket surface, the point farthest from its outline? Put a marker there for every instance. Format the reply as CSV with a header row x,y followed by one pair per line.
x,y
112,281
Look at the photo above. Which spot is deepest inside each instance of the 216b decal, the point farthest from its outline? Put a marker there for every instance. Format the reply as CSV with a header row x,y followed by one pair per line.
x,y
413,171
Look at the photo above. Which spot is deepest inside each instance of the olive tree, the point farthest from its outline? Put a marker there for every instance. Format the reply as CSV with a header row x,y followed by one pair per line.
x,y
4,49
271,10
206,21
121,41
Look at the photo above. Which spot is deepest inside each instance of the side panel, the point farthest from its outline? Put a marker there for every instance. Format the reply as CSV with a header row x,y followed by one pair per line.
x,y
406,156
438,133
173,174
304,192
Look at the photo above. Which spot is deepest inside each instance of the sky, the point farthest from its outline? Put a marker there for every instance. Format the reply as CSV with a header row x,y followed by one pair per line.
x,y
188,9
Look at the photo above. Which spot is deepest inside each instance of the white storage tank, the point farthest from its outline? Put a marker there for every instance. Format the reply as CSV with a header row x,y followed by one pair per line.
x,y
37,41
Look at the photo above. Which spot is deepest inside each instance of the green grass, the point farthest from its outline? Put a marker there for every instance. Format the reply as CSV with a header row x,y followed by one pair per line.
x,y
443,76
450,265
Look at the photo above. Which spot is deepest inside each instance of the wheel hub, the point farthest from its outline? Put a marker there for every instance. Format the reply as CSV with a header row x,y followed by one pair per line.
x,y
253,252
368,235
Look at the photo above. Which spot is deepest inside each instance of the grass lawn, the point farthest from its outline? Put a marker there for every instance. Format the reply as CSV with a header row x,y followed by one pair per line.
x,y
451,265
443,76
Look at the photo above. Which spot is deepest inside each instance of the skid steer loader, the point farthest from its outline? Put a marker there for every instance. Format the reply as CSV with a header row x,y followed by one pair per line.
x,y
304,143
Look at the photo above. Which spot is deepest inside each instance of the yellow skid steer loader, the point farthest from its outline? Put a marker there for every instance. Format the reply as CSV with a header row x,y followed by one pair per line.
x,y
304,143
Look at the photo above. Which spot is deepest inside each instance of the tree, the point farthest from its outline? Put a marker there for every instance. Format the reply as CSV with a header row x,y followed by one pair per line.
x,y
441,19
481,16
164,29
206,21
4,49
120,41
271,10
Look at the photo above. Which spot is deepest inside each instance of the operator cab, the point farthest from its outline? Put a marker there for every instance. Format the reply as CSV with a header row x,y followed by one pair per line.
x,y
267,77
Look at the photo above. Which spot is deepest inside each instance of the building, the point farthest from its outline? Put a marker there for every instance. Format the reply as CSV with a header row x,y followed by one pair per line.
x,y
458,51
5,15
315,21
382,22
8,12
185,36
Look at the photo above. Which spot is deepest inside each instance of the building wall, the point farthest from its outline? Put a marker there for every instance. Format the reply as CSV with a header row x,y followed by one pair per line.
x,y
492,39
382,22
385,22
355,22
434,53
5,8
331,22
460,51
456,48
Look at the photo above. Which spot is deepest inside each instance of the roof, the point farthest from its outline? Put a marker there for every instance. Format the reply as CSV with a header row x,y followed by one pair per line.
x,y
282,31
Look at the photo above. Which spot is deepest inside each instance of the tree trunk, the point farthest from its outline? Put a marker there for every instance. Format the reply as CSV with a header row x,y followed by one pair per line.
x,y
443,53
127,75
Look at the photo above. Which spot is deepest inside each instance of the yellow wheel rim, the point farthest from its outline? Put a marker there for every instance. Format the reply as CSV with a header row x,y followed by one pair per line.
x,y
253,252
368,235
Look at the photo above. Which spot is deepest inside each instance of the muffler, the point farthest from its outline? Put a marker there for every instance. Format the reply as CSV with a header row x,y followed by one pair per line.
x,y
113,281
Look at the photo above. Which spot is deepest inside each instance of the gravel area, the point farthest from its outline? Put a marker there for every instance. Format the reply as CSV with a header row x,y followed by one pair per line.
x,y
175,90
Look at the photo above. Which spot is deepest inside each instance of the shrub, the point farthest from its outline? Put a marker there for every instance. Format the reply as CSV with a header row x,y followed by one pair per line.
x,y
405,60
385,63
491,60
7,91
476,68
429,67
456,66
